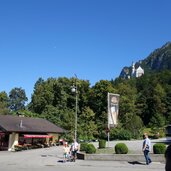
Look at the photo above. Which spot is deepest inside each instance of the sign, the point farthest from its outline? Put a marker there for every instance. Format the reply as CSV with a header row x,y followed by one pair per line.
x,y
113,109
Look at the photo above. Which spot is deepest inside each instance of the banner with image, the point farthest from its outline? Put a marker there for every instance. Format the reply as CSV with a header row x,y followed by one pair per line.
x,y
113,109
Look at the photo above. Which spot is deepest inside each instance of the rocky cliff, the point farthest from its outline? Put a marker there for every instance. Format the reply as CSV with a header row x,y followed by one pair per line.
x,y
158,60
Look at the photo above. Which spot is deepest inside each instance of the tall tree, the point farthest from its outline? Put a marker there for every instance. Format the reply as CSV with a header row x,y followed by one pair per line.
x,y
17,99
158,118
43,95
168,105
98,102
4,103
127,102
87,126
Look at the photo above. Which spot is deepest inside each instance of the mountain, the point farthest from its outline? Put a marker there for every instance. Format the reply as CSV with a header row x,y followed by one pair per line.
x,y
158,60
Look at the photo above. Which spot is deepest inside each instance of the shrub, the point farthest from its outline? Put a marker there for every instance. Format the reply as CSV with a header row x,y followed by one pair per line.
x,y
90,149
83,146
121,148
120,134
124,135
102,143
159,148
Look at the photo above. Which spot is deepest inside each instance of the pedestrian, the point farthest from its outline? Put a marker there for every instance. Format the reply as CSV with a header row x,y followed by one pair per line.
x,y
168,158
65,151
146,148
74,149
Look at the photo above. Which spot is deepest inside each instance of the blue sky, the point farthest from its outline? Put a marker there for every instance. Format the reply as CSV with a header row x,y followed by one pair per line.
x,y
93,39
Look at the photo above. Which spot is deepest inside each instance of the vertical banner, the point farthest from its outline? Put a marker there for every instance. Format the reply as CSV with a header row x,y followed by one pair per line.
x,y
113,109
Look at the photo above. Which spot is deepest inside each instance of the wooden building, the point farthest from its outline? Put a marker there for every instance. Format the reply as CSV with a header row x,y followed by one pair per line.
x,y
19,130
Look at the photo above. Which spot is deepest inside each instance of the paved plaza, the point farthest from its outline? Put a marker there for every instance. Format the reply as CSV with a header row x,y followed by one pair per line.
x,y
51,159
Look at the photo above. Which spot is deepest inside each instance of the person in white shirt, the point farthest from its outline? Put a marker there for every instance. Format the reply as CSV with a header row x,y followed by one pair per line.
x,y
74,149
146,148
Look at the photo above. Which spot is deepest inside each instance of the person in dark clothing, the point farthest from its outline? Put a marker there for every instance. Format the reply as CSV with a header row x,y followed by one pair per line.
x,y
168,158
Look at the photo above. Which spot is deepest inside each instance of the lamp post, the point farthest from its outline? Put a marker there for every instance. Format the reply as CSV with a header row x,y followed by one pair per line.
x,y
74,90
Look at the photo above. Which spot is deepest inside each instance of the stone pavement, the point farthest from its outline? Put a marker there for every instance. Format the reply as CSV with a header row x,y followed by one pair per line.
x,y
51,159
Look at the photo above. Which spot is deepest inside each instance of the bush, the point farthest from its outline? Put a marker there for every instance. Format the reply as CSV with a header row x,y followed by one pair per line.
x,y
121,148
102,143
125,135
90,149
159,148
120,134
83,146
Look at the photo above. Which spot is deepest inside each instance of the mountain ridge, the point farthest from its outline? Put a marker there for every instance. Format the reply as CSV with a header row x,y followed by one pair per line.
x,y
158,60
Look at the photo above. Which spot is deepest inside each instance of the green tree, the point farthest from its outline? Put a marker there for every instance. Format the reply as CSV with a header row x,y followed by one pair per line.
x,y
87,126
62,92
127,102
4,103
63,118
135,126
17,99
168,105
155,105
142,86
43,95
150,103
98,102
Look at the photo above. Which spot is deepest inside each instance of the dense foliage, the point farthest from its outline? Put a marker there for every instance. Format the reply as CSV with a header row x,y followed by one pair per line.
x,y
144,102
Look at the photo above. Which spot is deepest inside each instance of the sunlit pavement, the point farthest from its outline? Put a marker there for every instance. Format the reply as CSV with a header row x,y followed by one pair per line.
x,y
51,159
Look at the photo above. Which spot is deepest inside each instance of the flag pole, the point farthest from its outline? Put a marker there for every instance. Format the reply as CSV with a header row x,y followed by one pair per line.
x,y
108,135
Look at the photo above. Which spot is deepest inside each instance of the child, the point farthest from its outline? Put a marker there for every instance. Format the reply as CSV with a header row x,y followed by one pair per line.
x,y
66,151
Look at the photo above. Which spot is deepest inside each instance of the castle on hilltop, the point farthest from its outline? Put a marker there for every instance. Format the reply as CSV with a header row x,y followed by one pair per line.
x,y
134,71
137,72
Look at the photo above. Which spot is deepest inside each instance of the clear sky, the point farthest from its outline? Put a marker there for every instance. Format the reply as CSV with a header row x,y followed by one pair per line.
x,y
93,39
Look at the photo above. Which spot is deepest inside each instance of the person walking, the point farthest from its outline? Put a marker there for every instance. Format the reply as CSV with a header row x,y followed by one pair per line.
x,y
146,148
74,149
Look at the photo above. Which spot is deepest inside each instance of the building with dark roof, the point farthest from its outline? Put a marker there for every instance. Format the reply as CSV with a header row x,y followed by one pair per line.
x,y
17,129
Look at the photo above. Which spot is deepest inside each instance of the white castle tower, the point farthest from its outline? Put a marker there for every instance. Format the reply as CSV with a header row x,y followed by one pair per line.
x,y
137,72
133,69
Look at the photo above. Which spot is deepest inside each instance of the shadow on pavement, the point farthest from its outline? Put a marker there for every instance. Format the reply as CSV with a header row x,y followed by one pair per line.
x,y
136,162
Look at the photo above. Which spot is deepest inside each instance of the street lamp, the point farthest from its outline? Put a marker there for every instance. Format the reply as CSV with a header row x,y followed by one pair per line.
x,y
75,90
